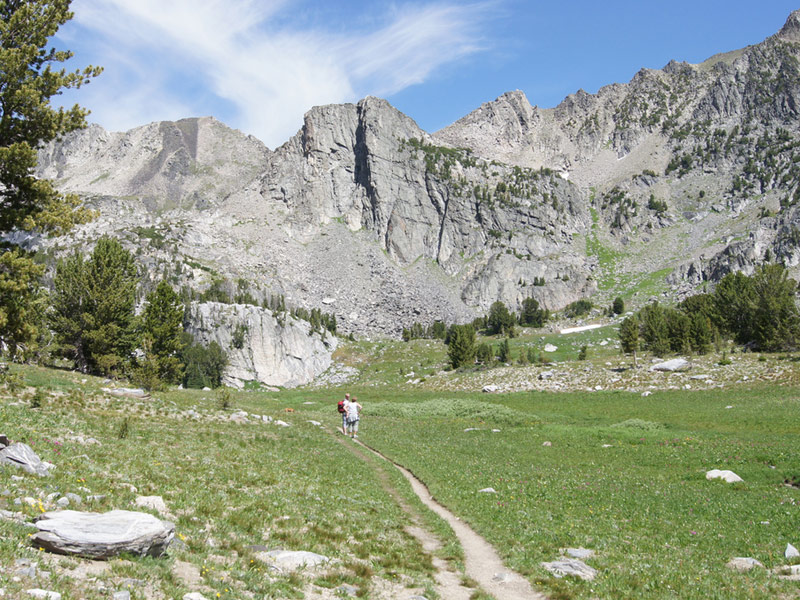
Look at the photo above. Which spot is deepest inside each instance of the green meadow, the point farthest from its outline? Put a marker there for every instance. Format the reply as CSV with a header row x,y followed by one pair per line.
x,y
621,474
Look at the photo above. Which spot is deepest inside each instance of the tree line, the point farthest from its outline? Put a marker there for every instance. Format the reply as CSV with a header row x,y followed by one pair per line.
x,y
757,311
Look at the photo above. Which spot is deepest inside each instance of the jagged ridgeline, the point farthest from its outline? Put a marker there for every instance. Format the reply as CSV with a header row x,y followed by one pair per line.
x,y
656,185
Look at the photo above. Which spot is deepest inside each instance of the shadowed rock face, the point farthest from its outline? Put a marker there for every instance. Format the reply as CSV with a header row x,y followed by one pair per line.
x,y
691,168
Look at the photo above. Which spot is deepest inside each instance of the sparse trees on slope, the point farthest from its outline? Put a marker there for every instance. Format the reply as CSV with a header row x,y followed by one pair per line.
x,y
27,82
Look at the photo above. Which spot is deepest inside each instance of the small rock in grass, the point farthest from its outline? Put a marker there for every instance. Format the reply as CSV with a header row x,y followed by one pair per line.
x,y
791,552
646,393
743,563
63,502
471,429
487,491
570,567
315,423
154,502
728,476
47,595
550,348
288,560
788,572
347,590
121,595
282,424
194,596
490,389
495,431
548,444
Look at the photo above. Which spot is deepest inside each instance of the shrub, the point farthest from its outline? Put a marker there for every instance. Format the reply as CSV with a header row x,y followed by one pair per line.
x,y
578,308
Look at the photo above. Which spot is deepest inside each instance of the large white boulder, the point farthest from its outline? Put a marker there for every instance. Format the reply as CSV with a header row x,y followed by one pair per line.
x,y
728,476
102,535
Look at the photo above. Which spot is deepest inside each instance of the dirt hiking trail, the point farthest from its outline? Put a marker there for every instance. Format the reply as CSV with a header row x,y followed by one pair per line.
x,y
481,561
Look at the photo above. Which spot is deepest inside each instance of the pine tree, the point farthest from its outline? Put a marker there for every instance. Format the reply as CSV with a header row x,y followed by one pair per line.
x,y
504,352
775,320
27,83
629,336
531,315
461,345
500,320
93,308
162,326
654,329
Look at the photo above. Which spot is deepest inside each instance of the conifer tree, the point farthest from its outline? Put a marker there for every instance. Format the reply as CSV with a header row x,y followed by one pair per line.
x,y
93,308
629,336
461,345
27,83
162,328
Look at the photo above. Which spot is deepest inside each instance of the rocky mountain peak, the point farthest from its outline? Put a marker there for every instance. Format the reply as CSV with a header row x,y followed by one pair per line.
x,y
791,29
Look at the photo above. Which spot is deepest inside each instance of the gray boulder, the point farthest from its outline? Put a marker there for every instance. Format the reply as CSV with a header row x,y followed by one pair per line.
x,y
743,563
570,567
102,535
676,364
21,455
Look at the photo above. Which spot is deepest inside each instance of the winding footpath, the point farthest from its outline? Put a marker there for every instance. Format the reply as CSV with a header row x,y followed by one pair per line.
x,y
481,561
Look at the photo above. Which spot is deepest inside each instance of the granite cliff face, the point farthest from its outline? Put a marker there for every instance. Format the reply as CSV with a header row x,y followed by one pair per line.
x,y
673,178
273,350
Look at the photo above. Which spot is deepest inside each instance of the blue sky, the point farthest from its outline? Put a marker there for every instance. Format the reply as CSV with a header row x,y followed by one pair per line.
x,y
259,65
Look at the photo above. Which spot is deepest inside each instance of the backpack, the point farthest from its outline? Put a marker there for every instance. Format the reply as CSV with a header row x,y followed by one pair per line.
x,y
340,406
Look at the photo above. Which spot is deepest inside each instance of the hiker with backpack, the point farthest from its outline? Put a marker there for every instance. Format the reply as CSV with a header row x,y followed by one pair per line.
x,y
342,408
352,417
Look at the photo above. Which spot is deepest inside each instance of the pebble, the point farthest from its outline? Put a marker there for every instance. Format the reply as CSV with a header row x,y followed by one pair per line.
x,y
121,595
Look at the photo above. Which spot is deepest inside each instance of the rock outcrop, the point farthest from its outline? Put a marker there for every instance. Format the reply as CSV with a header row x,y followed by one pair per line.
x,y
260,347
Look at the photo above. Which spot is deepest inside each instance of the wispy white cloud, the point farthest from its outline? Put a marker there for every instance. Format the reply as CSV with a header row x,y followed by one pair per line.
x,y
245,62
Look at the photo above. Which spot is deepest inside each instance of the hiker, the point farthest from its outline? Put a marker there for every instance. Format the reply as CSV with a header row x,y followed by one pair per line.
x,y
352,417
342,408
